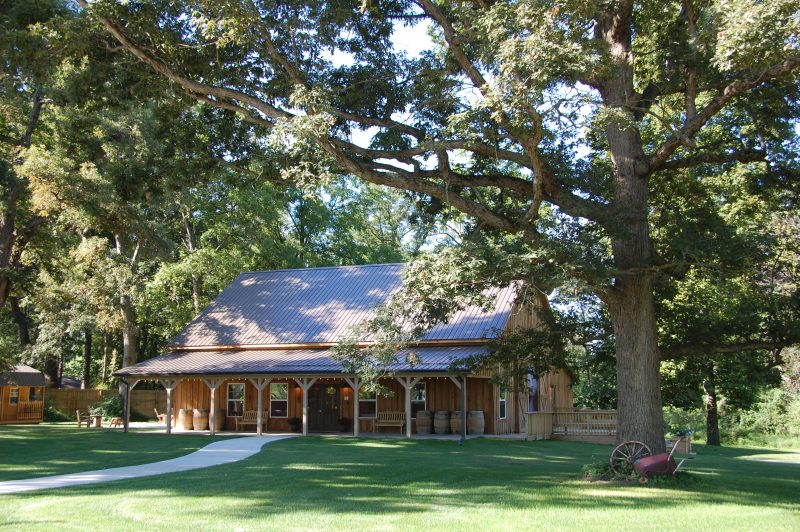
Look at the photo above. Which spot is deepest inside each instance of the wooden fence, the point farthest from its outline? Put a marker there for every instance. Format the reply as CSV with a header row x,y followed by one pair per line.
x,y
598,426
142,401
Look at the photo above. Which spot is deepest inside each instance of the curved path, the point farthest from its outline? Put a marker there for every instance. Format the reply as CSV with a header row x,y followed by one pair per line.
x,y
219,452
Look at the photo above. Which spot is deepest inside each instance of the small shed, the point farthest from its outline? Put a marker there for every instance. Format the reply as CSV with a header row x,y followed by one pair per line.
x,y
22,395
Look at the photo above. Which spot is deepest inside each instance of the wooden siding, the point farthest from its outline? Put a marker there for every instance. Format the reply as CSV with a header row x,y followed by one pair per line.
x,y
10,413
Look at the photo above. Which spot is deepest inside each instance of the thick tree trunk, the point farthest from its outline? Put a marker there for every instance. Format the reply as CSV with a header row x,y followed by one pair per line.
x,y
22,322
130,336
712,419
8,216
104,367
87,360
630,300
191,244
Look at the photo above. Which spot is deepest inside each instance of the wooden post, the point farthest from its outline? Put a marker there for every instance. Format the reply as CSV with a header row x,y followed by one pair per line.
x,y
128,387
408,383
169,385
461,384
260,383
355,384
305,383
213,384
463,409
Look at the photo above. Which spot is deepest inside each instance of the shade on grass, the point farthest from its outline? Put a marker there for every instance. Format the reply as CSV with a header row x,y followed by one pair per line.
x,y
28,451
345,483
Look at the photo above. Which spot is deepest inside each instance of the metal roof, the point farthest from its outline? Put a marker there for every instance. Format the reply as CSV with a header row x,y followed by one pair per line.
x,y
320,305
285,361
23,376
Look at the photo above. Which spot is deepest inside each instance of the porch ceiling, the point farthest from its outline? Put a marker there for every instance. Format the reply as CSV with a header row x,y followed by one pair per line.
x,y
286,362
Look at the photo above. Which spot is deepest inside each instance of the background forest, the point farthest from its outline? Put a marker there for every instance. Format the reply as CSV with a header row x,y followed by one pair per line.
x,y
128,205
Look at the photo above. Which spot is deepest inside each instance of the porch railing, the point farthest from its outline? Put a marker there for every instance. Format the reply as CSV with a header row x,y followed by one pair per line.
x,y
30,410
573,424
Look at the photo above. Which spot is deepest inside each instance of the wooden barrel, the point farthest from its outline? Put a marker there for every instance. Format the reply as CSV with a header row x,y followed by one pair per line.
x,y
200,419
424,422
184,419
455,422
219,419
475,424
441,422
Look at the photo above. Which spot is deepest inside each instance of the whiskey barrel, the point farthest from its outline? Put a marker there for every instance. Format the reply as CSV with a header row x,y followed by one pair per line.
x,y
455,421
475,423
200,419
424,422
441,422
184,419
219,419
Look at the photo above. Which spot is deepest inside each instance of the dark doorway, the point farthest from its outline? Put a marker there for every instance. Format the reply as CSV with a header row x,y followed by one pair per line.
x,y
323,408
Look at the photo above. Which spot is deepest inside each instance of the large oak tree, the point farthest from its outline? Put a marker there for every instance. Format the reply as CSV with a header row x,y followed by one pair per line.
x,y
574,108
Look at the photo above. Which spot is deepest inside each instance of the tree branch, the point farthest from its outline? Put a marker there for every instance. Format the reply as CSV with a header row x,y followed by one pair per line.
x,y
731,91
704,349
743,156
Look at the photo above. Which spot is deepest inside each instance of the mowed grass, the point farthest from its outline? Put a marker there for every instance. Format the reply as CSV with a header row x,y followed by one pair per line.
x,y
345,483
28,451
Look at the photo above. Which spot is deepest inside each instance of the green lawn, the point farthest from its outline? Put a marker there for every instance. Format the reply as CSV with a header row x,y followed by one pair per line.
x,y
28,451
344,483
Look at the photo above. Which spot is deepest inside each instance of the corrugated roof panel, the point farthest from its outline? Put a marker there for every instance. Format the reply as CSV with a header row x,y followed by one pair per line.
x,y
285,361
319,305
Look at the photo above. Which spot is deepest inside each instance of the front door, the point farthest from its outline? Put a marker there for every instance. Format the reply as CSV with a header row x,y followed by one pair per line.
x,y
323,408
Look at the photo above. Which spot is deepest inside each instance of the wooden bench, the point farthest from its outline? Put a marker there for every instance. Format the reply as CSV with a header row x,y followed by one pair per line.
x,y
250,417
391,419
83,417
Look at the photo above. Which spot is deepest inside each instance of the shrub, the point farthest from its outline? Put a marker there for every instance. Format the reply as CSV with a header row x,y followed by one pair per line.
x,y
597,471
680,421
52,414
108,408
777,412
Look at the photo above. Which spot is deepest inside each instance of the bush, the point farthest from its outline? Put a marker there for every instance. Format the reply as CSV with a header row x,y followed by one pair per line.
x,y
51,414
108,408
776,413
597,471
680,421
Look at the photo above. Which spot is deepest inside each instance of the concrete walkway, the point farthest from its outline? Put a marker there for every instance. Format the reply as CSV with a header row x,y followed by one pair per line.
x,y
219,452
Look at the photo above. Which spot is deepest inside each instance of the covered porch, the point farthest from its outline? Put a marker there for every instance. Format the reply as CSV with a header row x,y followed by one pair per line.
x,y
320,403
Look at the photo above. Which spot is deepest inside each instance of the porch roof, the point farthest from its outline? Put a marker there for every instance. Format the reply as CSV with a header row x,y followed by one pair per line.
x,y
286,362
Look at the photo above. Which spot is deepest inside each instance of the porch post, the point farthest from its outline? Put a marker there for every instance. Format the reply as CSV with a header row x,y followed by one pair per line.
x,y
463,408
355,384
128,386
213,384
408,383
260,383
306,384
169,385
461,384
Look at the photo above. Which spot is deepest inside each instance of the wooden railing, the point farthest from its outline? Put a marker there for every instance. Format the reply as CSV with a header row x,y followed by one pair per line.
x,y
28,410
573,424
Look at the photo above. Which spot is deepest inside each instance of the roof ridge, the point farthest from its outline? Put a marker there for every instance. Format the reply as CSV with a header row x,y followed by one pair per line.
x,y
325,268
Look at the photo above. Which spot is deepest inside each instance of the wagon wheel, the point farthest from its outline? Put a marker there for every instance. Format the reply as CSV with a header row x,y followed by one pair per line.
x,y
625,454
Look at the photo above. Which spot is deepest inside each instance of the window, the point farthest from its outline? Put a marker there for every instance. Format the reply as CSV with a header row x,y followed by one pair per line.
x,y
367,404
279,399
34,394
503,395
418,399
235,399
13,398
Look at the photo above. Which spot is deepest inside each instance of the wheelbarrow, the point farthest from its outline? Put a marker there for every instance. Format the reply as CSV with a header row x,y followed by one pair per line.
x,y
636,456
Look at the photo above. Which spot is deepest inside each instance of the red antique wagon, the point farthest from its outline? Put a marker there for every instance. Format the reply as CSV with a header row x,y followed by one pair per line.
x,y
636,456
